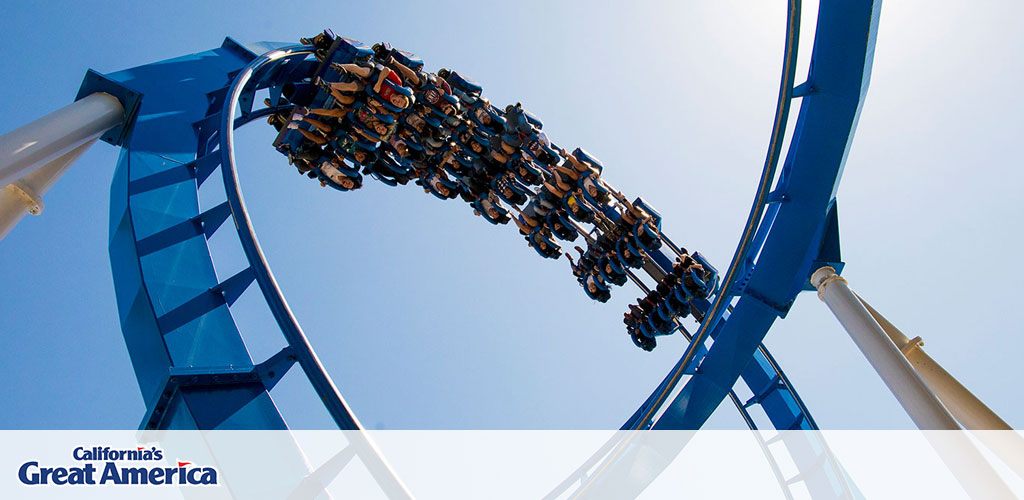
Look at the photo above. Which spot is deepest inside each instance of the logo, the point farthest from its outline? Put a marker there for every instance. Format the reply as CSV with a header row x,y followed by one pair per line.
x,y
106,466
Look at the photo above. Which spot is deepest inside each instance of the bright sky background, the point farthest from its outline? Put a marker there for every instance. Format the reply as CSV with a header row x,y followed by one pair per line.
x,y
428,317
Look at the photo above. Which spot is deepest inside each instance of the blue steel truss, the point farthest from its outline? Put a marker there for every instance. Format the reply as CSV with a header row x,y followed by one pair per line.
x,y
791,231
191,362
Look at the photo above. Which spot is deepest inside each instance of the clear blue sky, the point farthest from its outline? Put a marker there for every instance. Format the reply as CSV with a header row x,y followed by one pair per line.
x,y
428,317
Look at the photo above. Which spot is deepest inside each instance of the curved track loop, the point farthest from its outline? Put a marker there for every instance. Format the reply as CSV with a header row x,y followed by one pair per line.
x,y
191,361
193,366
793,230
298,343
297,340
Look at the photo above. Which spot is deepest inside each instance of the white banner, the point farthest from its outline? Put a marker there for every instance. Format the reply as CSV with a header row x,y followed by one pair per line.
x,y
510,464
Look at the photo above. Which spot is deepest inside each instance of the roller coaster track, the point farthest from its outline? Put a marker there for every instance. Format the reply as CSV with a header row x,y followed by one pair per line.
x,y
191,361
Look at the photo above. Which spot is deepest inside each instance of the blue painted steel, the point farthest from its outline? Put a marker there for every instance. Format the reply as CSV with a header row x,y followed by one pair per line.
x,y
191,362
788,231
175,311
840,68
322,383
130,100
162,268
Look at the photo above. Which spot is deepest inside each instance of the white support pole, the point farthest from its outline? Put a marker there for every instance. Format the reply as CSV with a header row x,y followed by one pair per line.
x,y
966,463
24,196
30,146
965,406
970,411
923,407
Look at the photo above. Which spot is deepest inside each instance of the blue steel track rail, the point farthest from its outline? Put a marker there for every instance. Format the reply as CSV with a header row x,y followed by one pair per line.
x,y
191,361
213,131
766,278
791,231
189,357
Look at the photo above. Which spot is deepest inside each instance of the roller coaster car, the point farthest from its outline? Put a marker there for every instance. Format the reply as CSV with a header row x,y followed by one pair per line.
x,y
560,226
646,330
510,190
475,146
640,340
647,237
628,254
492,212
612,271
433,125
397,89
577,210
540,150
597,196
461,167
343,51
585,157
520,121
487,121
596,289
300,94
710,276
442,100
407,59
340,177
658,324
347,50
678,302
528,173
695,284
450,187
544,245
396,167
646,207
463,83
385,173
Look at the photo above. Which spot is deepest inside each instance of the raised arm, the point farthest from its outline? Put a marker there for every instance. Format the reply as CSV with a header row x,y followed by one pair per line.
x,y
572,159
384,72
355,69
405,71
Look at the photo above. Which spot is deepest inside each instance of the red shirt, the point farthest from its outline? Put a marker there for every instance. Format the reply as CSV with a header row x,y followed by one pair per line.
x,y
386,90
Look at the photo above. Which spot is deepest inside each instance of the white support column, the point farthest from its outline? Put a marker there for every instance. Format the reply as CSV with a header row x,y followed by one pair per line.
x,y
24,196
30,146
966,463
965,406
970,411
923,407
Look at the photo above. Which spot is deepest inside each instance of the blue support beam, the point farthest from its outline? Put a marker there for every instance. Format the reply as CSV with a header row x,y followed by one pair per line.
x,y
840,68
174,309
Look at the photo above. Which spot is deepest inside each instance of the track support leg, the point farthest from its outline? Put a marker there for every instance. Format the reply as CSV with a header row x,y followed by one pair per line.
x,y
921,404
970,411
966,463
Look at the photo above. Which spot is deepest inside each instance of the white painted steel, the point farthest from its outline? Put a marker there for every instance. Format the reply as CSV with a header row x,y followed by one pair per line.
x,y
921,404
24,195
966,463
962,404
28,147
970,411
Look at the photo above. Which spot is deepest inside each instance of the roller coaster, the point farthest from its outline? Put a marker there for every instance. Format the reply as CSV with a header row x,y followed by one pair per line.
x,y
175,122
